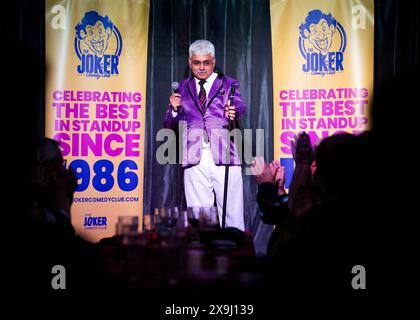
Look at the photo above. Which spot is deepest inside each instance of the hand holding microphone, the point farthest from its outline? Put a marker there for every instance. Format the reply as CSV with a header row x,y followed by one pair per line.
x,y
175,98
230,109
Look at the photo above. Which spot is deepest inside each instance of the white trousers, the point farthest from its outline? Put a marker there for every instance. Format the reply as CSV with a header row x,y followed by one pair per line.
x,y
201,180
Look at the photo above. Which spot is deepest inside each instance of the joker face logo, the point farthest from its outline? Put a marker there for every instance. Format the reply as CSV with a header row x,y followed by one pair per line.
x,y
95,31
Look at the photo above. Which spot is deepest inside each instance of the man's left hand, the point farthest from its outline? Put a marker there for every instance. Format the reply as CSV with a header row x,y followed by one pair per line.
x,y
230,111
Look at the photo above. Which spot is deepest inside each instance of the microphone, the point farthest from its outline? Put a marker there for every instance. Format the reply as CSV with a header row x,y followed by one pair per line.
x,y
175,87
231,94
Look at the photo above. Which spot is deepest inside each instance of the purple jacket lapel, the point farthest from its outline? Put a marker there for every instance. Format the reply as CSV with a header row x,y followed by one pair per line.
x,y
214,90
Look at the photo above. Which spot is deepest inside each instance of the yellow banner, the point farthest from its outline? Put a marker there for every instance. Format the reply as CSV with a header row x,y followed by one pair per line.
x,y
322,69
96,63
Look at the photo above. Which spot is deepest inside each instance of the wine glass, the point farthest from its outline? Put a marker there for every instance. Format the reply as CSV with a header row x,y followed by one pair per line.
x,y
208,217
169,217
182,223
193,215
127,228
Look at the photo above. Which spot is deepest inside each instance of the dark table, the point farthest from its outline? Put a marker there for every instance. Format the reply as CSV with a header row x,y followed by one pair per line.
x,y
153,260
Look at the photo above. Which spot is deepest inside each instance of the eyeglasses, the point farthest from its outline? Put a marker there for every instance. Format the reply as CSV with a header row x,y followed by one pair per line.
x,y
205,63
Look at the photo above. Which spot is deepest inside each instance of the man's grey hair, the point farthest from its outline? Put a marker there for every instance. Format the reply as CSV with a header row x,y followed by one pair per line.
x,y
201,47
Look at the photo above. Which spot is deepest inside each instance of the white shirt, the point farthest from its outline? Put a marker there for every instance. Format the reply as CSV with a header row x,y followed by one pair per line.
x,y
207,85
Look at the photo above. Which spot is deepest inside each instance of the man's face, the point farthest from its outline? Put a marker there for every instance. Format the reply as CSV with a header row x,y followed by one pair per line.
x,y
202,66
320,35
96,38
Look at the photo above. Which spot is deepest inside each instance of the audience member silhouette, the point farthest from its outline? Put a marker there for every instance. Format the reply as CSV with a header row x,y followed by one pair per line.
x,y
276,207
53,186
52,238
272,199
326,219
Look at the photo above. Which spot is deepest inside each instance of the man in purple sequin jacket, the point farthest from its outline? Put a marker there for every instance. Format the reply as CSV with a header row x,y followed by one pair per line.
x,y
203,107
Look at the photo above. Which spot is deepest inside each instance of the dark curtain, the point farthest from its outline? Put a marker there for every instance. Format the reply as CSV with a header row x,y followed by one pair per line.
x,y
397,54
240,31
26,63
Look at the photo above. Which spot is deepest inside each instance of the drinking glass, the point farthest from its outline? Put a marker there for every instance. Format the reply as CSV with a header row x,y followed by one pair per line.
x,y
193,216
208,217
169,217
127,227
182,223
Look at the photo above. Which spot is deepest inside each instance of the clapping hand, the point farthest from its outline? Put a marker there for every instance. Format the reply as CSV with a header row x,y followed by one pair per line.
x,y
279,176
272,173
302,149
